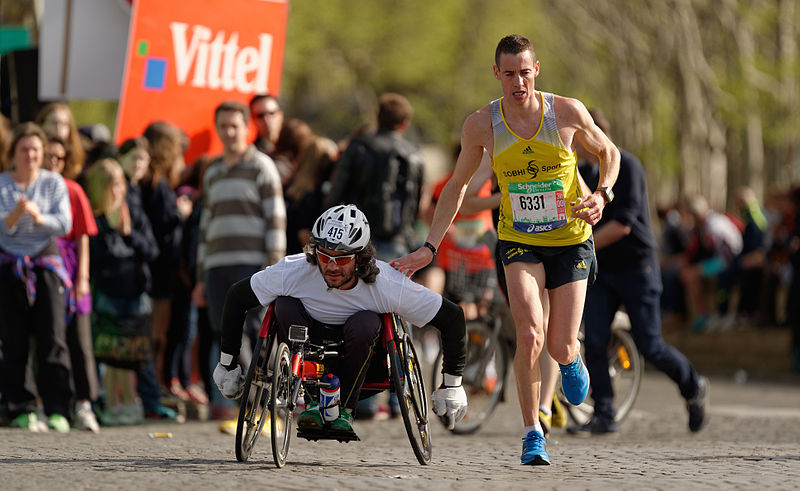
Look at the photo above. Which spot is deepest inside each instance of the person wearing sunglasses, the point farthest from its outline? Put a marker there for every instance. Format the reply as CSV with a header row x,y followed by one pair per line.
x,y
267,117
337,286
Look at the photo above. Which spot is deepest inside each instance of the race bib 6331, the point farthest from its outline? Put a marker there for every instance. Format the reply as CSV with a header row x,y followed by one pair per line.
x,y
538,206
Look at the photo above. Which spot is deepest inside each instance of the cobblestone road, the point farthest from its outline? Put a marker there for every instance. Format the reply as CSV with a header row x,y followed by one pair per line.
x,y
752,442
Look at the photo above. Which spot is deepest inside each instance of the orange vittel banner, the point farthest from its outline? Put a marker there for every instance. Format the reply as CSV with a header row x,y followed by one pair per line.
x,y
185,57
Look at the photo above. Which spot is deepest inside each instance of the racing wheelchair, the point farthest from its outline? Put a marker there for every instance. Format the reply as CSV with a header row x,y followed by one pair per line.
x,y
276,381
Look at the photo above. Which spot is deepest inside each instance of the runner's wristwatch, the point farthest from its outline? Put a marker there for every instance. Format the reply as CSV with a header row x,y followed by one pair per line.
x,y
431,247
607,193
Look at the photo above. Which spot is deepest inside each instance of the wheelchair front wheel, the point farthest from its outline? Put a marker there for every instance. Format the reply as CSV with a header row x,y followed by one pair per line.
x,y
253,407
409,386
280,413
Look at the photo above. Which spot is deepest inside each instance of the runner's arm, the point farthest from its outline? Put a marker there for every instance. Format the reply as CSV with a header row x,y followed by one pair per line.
x,y
595,141
473,138
472,203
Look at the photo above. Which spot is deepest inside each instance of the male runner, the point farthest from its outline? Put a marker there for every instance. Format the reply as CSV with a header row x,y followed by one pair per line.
x,y
545,221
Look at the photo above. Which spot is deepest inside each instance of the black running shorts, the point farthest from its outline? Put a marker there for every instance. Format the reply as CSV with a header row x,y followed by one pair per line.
x,y
562,265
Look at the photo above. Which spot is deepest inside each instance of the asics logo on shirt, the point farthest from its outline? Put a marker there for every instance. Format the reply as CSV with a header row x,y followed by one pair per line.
x,y
536,228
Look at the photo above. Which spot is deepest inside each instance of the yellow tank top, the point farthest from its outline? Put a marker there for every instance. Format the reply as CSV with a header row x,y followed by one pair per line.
x,y
538,180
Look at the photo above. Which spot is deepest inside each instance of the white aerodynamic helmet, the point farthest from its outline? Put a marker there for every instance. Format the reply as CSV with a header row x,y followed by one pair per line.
x,y
341,228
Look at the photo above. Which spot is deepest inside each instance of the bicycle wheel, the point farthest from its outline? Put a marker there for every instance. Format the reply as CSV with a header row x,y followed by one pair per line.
x,y
625,366
253,406
484,375
409,385
280,413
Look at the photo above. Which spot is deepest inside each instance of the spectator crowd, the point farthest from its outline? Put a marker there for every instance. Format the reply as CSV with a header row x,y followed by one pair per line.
x,y
115,260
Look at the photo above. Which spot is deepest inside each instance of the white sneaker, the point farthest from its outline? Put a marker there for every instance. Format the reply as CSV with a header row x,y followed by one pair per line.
x,y
85,418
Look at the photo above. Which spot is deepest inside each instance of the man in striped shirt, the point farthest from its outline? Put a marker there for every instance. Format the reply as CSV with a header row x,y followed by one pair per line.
x,y
243,222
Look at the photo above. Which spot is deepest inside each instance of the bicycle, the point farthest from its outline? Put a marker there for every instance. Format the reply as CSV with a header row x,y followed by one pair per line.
x,y
296,370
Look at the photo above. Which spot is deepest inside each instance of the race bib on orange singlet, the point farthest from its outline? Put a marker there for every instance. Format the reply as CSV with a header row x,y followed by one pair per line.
x,y
537,206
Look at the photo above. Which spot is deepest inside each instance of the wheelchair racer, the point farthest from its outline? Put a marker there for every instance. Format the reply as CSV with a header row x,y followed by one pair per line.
x,y
337,285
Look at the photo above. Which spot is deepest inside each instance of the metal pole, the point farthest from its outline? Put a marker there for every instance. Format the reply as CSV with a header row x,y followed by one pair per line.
x,y
65,57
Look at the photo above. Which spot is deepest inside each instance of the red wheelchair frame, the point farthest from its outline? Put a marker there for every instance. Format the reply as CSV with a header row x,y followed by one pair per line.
x,y
274,382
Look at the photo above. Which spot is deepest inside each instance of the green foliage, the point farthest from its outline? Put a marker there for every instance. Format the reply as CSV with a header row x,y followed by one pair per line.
x,y
340,55
93,111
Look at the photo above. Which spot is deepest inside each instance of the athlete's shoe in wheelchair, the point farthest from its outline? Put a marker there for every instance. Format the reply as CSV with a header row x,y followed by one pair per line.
x,y
276,381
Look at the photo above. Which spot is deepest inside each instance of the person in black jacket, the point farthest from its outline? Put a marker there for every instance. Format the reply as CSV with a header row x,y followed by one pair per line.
x,y
120,274
125,243
628,275
382,174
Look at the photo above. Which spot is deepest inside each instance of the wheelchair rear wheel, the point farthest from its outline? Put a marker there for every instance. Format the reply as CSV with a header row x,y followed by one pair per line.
x,y
409,386
625,366
253,409
280,412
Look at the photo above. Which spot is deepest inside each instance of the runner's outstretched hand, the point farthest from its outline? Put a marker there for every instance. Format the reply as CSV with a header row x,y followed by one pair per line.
x,y
412,262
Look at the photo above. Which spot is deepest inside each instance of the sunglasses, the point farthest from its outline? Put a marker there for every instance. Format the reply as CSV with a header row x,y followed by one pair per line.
x,y
339,260
266,113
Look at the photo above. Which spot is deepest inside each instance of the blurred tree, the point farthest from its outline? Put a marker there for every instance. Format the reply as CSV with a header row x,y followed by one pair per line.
x,y
342,54
688,84
704,91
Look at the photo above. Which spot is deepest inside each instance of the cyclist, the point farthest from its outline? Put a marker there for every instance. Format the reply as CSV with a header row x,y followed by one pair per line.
x,y
337,286
545,229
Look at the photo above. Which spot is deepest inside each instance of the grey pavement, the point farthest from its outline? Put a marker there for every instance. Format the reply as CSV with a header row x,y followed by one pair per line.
x,y
752,442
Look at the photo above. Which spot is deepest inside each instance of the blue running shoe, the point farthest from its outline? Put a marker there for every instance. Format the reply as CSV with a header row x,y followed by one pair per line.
x,y
533,452
575,381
